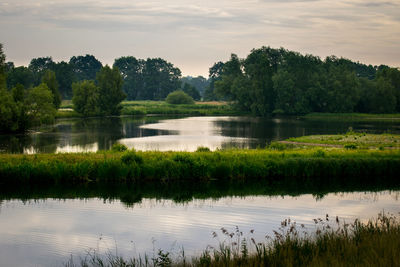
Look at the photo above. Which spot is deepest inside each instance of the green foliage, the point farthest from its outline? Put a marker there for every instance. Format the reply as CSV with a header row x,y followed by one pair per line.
x,y
85,67
295,166
203,149
179,97
2,68
350,146
151,79
110,91
191,90
40,105
130,157
281,81
117,147
49,78
85,99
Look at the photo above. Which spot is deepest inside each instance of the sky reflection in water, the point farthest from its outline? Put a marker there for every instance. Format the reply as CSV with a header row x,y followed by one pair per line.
x,y
47,232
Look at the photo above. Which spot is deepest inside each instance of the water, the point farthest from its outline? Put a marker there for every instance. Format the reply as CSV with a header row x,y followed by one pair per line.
x,y
175,133
47,232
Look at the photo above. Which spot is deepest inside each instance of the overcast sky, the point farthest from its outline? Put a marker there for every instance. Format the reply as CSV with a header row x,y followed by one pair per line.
x,y
194,34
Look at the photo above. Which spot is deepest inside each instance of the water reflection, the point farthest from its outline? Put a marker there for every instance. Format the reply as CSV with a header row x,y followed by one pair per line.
x,y
175,133
47,232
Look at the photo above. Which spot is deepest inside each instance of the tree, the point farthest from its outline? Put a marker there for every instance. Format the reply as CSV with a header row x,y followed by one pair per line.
x,y
49,78
7,112
110,90
191,90
85,67
2,68
65,78
215,73
131,70
85,98
179,97
159,78
199,82
38,66
40,105
20,75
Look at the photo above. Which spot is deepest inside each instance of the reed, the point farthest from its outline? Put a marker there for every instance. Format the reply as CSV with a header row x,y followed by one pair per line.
x,y
332,243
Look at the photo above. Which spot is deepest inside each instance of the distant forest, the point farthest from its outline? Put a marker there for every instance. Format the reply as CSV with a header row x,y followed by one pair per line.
x,y
280,81
267,81
151,79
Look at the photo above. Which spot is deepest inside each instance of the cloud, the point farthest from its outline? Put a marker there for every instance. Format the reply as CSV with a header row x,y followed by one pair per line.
x,y
180,29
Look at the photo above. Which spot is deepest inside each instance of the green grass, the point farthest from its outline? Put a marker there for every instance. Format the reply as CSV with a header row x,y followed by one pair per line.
x,y
291,166
352,116
333,243
161,108
353,140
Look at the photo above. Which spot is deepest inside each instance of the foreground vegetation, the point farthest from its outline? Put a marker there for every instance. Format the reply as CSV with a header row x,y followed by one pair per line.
x,y
292,166
332,243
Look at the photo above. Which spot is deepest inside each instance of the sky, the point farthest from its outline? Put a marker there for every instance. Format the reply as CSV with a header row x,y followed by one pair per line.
x,y
193,35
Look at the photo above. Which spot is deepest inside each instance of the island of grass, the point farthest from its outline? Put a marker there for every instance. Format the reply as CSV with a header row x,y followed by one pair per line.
x,y
290,164
350,140
149,107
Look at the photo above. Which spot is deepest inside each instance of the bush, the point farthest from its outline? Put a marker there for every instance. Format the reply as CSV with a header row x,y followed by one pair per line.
x,y
179,97
117,147
203,149
130,157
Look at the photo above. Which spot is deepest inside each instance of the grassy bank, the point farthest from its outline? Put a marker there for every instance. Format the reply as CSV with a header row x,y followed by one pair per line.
x,y
161,107
351,117
332,243
352,140
289,166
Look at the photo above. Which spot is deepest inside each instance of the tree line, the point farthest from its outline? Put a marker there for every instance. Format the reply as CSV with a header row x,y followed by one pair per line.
x,y
280,81
151,79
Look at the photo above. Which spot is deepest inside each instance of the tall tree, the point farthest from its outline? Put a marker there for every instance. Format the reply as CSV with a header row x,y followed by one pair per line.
x,y
65,78
85,67
110,90
40,104
49,78
38,66
132,73
86,98
20,75
2,68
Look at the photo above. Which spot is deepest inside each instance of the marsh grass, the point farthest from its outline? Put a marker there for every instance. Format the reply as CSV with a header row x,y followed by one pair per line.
x,y
331,243
351,117
353,140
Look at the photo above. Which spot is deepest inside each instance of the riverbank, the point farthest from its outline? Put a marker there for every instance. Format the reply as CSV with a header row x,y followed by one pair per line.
x,y
161,108
351,117
293,166
350,140
331,243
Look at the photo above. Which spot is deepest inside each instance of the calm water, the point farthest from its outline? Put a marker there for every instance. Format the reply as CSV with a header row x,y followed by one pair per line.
x,y
166,133
46,232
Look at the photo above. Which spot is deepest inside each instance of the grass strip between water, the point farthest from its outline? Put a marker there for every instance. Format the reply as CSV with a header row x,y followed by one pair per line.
x,y
291,166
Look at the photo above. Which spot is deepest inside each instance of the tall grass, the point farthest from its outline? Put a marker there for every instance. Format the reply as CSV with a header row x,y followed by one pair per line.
x,y
332,243
289,166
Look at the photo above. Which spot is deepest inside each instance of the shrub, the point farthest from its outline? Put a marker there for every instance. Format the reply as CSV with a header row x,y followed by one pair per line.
x,y
117,147
179,97
203,149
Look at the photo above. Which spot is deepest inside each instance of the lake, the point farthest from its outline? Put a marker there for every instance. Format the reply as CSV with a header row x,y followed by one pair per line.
x,y
175,133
